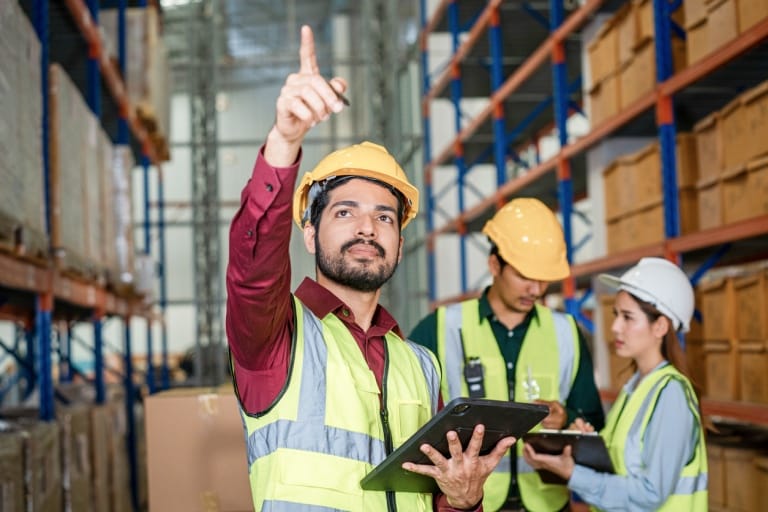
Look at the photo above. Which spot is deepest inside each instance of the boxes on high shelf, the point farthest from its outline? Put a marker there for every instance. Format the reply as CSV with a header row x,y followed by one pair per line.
x,y
604,99
603,53
756,107
751,12
205,462
694,11
722,23
718,313
733,134
753,371
751,296
745,191
709,146
697,39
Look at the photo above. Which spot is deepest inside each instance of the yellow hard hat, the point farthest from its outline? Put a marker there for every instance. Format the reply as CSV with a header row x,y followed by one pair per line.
x,y
530,238
366,160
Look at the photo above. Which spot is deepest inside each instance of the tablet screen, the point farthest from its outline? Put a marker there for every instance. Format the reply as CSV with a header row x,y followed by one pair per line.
x,y
501,419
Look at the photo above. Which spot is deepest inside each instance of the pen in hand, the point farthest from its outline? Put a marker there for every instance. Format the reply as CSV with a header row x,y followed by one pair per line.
x,y
338,94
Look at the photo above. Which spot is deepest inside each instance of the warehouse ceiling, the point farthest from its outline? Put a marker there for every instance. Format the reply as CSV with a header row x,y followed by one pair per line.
x,y
257,41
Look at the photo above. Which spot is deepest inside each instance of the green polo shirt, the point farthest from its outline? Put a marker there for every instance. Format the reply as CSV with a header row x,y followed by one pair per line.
x,y
584,399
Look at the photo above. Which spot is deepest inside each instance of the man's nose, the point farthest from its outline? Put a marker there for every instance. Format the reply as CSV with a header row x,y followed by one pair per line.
x,y
366,227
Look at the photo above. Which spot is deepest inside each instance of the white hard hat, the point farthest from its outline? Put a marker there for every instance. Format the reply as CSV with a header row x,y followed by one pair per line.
x,y
661,283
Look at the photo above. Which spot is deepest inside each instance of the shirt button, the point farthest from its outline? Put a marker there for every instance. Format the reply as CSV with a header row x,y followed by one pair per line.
x,y
345,312
249,233
269,187
510,334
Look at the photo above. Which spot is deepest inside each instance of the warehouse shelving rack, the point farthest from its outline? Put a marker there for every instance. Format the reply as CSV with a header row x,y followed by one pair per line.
x,y
33,292
659,103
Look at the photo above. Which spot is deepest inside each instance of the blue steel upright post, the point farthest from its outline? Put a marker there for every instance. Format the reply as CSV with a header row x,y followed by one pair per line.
x,y
44,301
665,120
148,252
564,183
129,415
497,77
461,168
431,271
123,139
165,374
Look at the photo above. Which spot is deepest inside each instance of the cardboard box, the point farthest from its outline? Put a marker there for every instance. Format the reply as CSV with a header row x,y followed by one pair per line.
x,y
736,203
715,475
603,53
75,457
753,372
202,464
718,311
638,76
709,147
756,107
751,12
604,99
751,297
11,471
741,491
687,160
722,23
694,11
758,183
721,363
710,198
698,40
733,134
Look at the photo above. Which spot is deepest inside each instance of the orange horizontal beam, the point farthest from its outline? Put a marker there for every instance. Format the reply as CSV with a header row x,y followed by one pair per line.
x,y
90,31
756,414
731,232
616,260
436,17
462,51
22,275
716,59
522,73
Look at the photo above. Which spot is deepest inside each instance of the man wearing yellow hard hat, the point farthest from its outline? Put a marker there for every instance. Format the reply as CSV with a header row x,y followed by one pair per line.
x,y
326,383
506,345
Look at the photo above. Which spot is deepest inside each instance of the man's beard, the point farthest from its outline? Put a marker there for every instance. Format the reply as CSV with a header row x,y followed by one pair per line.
x,y
364,278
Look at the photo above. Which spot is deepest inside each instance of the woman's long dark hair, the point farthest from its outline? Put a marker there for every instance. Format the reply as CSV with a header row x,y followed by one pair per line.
x,y
671,348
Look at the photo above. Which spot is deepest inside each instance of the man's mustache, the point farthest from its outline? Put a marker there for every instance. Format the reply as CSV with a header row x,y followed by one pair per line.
x,y
379,249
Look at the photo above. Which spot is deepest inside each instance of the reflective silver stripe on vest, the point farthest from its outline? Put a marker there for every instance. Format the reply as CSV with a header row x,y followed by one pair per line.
x,y
567,355
691,484
686,485
504,465
429,371
453,365
287,506
310,433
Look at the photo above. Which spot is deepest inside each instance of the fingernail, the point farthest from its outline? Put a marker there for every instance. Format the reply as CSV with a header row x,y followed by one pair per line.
x,y
337,107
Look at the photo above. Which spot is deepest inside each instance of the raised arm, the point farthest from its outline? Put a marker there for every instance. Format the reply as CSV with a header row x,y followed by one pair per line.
x,y
258,275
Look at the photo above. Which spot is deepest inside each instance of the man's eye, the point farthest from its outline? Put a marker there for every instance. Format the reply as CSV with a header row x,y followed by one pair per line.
x,y
342,213
386,218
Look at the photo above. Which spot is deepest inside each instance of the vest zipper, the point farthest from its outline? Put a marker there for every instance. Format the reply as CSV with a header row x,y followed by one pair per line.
x,y
388,447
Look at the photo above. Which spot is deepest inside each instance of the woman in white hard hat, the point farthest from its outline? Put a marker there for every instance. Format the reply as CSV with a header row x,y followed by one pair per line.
x,y
654,430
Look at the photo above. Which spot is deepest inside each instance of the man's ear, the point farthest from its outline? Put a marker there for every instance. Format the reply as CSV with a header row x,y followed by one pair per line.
x,y
309,238
400,250
493,265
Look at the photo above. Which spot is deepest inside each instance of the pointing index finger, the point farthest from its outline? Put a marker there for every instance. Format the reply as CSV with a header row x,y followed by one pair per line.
x,y
307,54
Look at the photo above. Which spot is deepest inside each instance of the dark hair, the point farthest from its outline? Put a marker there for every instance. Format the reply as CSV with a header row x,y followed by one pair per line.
x,y
495,252
321,201
671,348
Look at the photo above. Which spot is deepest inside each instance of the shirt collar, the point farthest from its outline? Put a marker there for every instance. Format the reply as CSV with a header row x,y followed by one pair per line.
x,y
322,301
485,311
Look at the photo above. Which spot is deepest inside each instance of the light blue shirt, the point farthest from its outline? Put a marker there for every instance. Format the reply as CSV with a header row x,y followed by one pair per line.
x,y
654,464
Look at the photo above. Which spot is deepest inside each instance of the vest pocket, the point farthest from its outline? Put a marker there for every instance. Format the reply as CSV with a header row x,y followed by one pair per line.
x,y
412,414
320,479
547,388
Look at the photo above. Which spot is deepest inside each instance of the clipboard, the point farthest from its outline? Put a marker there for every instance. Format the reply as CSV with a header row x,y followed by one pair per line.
x,y
500,418
588,449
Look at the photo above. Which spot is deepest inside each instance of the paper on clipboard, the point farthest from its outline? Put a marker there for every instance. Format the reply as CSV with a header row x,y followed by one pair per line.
x,y
588,450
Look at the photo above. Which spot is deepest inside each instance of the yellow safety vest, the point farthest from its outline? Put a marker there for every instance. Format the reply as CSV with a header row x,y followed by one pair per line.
x,y
690,493
325,431
550,349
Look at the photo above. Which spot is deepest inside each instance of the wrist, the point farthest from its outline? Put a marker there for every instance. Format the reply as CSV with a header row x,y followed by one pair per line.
x,y
278,151
465,505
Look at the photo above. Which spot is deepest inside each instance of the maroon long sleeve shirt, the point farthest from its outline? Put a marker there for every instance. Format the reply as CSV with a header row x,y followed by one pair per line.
x,y
259,315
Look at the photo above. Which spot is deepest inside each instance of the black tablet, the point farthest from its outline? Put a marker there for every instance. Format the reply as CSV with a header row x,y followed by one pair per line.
x,y
501,419
588,450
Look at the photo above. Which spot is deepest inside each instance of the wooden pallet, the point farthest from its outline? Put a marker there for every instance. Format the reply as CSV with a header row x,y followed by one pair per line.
x,y
72,264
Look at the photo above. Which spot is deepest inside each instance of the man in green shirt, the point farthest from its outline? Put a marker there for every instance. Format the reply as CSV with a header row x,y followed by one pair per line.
x,y
505,345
